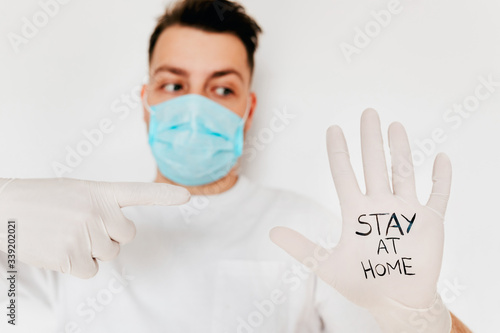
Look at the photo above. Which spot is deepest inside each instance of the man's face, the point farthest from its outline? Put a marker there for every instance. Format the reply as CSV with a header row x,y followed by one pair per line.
x,y
191,61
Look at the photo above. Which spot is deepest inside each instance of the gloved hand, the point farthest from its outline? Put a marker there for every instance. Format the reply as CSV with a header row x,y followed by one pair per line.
x,y
66,224
389,254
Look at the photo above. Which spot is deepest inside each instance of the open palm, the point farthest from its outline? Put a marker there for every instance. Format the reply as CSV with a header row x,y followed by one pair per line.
x,y
391,246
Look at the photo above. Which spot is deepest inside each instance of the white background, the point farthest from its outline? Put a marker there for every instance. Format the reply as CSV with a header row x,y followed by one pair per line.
x,y
428,58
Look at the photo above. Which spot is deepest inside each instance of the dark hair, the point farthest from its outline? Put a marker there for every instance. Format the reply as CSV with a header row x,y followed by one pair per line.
x,y
213,16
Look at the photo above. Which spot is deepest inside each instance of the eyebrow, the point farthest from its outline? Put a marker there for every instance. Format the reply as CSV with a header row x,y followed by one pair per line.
x,y
225,72
182,72
170,69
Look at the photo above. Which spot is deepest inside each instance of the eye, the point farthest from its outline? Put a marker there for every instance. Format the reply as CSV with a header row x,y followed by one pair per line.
x,y
222,91
172,87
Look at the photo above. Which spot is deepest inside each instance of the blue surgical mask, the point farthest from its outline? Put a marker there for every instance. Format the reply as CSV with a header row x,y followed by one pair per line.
x,y
195,140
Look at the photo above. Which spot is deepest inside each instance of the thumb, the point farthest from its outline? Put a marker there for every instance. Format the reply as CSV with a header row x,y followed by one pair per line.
x,y
304,250
147,194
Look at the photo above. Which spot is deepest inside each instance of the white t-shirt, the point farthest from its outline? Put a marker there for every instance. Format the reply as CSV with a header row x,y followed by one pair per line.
x,y
207,266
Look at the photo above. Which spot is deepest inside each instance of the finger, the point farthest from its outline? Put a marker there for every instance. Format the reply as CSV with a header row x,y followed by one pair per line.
x,y
146,194
372,148
441,178
84,267
103,248
119,228
403,177
340,165
302,249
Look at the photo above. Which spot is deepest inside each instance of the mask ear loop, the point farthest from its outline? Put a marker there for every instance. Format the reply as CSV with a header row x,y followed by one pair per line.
x,y
145,102
247,111
245,117
243,122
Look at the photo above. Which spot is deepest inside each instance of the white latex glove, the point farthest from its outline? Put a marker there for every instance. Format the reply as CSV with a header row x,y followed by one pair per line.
x,y
403,296
66,224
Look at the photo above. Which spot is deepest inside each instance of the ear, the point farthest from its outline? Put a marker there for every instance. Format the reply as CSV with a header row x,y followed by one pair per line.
x,y
253,106
145,111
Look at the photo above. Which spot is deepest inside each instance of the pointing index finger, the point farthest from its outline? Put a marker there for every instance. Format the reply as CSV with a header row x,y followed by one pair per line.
x,y
148,194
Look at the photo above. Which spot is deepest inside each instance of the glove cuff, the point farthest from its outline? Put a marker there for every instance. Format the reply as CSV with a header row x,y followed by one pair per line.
x,y
397,318
4,182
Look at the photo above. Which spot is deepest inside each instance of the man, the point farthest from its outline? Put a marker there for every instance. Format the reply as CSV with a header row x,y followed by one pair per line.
x,y
209,266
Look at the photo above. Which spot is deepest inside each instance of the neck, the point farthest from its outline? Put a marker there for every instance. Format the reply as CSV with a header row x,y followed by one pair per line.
x,y
216,187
